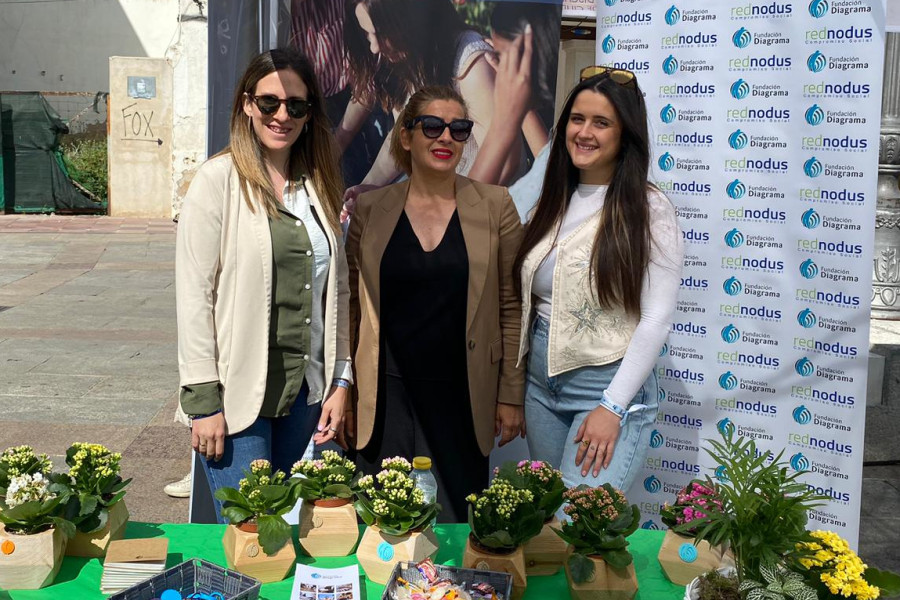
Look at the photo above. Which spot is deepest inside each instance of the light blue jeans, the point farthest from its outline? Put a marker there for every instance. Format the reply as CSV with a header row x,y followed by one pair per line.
x,y
280,440
555,407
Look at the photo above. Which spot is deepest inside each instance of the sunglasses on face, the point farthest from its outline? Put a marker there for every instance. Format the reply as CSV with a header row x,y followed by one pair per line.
x,y
433,127
297,108
620,76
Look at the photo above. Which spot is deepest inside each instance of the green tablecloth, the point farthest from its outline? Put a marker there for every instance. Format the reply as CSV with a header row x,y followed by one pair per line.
x,y
79,579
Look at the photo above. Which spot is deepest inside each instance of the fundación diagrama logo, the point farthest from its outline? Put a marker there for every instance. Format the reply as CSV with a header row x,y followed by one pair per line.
x,y
801,415
722,474
814,115
736,189
818,8
656,439
809,269
650,524
652,484
740,89
734,238
804,367
807,318
664,350
811,219
816,62
730,334
668,114
608,44
728,381
725,426
673,15
732,286
660,395
610,2
812,167
670,65
742,38
738,140
799,462
666,162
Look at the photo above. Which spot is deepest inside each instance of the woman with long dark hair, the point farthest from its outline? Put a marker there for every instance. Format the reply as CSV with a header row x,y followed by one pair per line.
x,y
396,47
261,280
599,271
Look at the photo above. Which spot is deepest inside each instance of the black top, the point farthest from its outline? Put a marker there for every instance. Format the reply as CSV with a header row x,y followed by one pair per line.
x,y
423,304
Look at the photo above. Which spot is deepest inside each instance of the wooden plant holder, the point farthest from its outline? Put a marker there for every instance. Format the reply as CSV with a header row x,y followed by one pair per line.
x,y
243,553
606,584
545,552
93,545
328,528
681,561
378,552
30,562
512,563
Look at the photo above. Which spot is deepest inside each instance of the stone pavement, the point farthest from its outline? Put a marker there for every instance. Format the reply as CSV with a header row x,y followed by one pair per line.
x,y
88,353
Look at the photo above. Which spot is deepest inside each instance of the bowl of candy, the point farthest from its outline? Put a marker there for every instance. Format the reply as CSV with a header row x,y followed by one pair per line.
x,y
428,581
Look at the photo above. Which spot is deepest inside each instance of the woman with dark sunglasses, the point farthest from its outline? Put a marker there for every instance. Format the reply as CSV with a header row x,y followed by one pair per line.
x,y
434,317
261,280
598,272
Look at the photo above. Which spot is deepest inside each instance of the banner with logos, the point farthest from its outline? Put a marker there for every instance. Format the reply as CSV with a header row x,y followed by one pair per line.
x,y
764,118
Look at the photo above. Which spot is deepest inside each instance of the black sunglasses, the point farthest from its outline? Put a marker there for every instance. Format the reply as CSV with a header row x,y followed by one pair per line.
x,y
297,108
621,76
433,127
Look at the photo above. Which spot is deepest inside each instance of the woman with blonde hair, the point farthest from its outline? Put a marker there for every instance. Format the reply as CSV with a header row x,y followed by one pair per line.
x,y
261,280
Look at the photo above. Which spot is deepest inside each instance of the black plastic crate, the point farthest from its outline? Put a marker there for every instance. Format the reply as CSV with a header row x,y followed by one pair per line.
x,y
191,576
501,582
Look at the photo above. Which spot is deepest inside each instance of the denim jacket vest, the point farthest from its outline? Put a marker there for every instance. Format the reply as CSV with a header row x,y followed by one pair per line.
x,y
581,332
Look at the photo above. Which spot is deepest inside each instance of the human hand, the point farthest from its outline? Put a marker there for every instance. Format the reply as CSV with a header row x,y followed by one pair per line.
x,y
350,198
512,83
208,436
332,419
596,439
509,423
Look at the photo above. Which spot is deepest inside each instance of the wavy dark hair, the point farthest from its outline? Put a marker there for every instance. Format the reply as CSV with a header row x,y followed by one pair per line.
x,y
621,248
420,39
509,19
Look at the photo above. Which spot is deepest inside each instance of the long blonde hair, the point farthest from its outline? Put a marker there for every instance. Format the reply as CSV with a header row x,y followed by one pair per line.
x,y
315,150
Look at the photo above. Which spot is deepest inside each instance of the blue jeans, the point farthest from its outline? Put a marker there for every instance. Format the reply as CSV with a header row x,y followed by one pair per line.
x,y
280,440
555,407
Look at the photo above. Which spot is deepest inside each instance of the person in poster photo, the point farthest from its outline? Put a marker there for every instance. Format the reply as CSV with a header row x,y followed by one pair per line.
x,y
599,271
434,316
395,47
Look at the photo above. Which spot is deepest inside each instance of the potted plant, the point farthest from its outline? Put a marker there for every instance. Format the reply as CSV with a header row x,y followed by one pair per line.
x,y
258,539
545,552
33,531
762,507
682,557
327,517
835,571
502,519
92,494
600,564
398,520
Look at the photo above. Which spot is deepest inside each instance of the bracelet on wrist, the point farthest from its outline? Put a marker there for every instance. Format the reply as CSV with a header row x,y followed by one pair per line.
x,y
198,417
341,383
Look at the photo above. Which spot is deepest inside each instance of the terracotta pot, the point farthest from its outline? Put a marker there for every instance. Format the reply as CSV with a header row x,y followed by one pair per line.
x,y
545,552
30,562
243,553
378,552
248,526
478,557
607,583
328,527
93,545
682,561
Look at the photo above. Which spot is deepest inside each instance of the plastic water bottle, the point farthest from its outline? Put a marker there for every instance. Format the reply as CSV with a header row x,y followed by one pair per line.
x,y
424,479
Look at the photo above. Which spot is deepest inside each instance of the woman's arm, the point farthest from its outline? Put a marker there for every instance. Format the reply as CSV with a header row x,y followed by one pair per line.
x,y
659,292
511,394
535,131
354,117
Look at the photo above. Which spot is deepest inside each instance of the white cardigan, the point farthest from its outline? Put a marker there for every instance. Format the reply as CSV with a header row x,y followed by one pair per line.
x,y
223,292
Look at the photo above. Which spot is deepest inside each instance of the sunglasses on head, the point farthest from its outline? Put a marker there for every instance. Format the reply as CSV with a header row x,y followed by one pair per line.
x,y
433,127
297,108
621,76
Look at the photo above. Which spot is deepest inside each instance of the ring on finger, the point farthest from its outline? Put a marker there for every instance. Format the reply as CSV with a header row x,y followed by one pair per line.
x,y
332,430
585,443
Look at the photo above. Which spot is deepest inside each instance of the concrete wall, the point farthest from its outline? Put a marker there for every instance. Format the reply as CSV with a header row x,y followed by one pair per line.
x,y
140,137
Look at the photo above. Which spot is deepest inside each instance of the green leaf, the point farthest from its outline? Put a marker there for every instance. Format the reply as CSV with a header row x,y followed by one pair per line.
x,y
88,504
886,580
618,559
66,527
274,533
236,514
227,494
581,568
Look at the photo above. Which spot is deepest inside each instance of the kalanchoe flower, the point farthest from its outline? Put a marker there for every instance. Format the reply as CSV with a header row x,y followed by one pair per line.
x,y
685,510
21,460
27,488
390,500
831,561
504,515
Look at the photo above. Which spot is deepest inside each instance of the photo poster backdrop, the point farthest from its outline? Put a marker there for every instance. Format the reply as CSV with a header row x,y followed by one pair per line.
x,y
319,29
764,122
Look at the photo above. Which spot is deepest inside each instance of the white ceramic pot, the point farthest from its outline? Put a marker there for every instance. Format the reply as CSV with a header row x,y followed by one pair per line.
x,y
691,590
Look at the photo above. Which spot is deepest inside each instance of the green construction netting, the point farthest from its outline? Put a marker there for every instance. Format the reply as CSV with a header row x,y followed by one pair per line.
x,y
34,180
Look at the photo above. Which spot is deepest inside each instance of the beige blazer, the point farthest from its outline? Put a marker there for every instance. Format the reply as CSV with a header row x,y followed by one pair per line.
x,y
493,233
223,292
